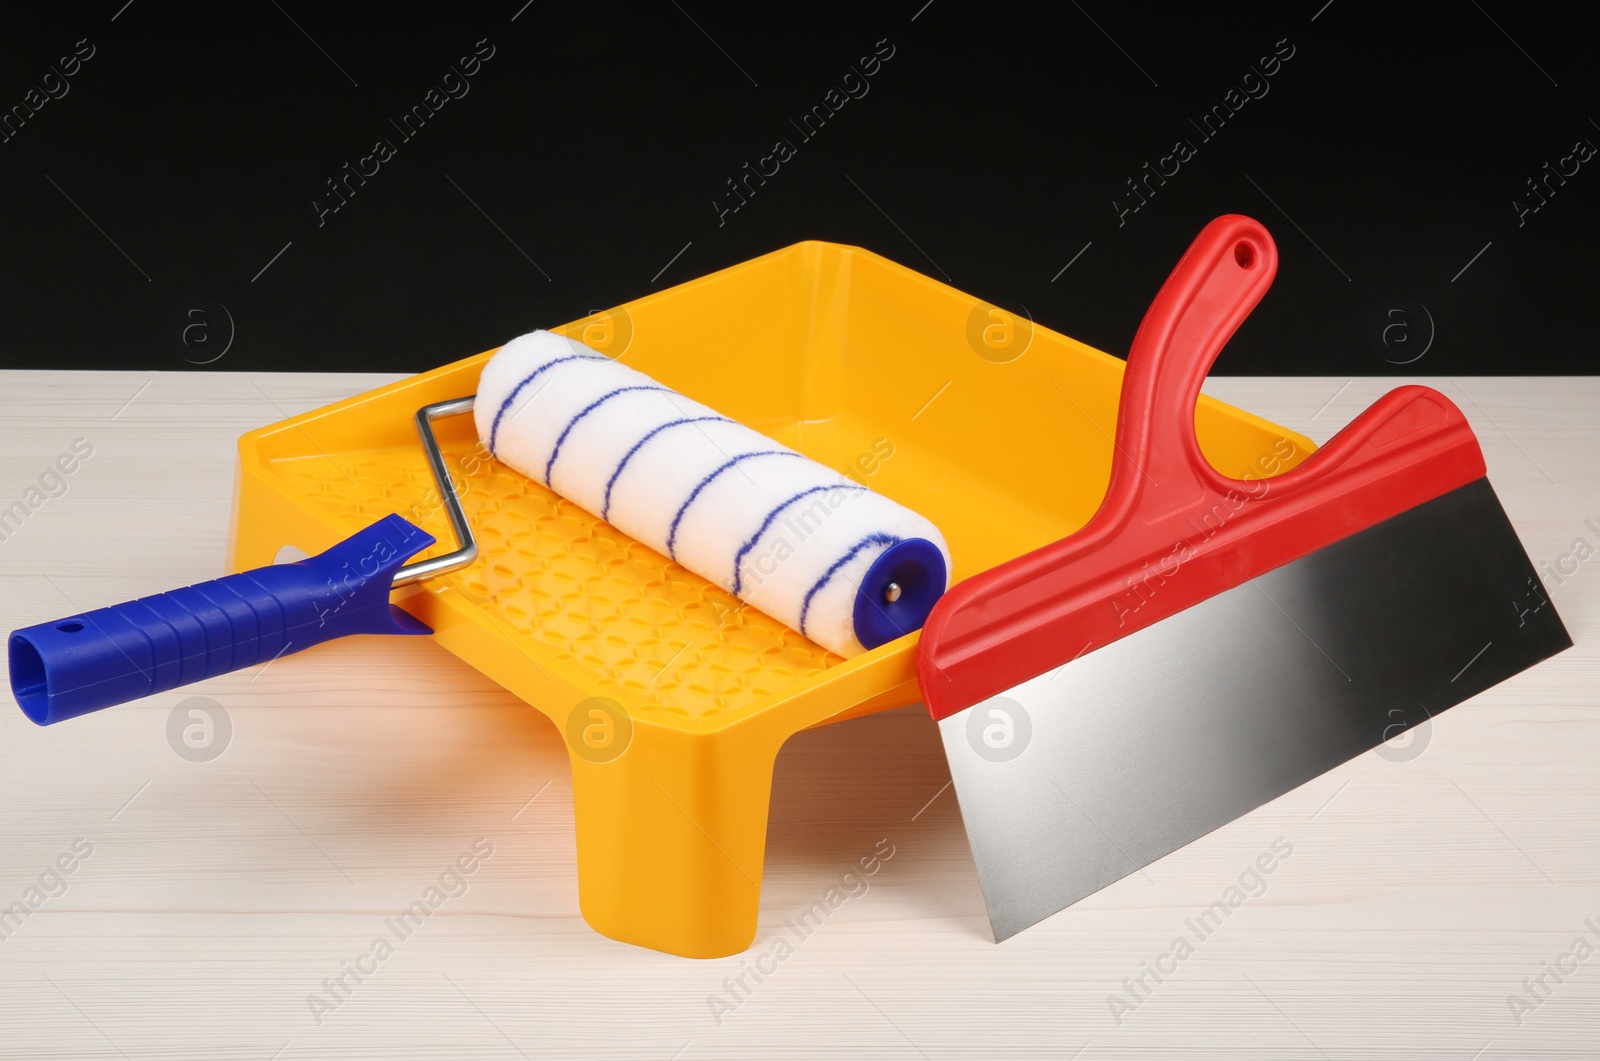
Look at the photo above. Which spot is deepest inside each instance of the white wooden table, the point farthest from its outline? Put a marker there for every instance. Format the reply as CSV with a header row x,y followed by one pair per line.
x,y
1422,889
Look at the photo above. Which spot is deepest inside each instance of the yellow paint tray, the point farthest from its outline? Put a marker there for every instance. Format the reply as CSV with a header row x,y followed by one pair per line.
x,y
997,430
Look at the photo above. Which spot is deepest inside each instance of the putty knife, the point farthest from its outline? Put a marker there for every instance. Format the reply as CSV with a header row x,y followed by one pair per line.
x,y
1205,644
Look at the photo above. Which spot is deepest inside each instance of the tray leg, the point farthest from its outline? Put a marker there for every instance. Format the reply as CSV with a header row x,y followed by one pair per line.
x,y
671,835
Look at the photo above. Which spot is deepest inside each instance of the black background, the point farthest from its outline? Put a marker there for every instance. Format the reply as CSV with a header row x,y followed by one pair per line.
x,y
988,150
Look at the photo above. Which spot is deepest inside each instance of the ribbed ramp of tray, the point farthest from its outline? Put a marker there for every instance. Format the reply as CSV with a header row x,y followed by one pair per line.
x,y
552,573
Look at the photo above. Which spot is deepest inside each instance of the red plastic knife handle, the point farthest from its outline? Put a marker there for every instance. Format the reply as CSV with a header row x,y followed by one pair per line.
x,y
1172,530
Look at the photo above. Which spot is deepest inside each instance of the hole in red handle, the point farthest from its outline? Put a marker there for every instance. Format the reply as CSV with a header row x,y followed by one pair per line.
x,y
1244,254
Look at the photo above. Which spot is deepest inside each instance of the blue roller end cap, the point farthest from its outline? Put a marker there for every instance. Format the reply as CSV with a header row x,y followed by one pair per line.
x,y
917,568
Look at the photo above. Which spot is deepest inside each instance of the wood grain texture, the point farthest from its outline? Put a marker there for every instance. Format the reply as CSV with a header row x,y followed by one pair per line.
x,y
219,895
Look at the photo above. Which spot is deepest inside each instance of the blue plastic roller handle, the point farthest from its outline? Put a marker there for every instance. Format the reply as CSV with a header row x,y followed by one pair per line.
x,y
85,662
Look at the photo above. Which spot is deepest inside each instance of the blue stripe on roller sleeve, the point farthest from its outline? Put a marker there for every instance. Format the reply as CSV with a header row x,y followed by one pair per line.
x,y
605,509
876,538
744,550
494,430
672,534
550,465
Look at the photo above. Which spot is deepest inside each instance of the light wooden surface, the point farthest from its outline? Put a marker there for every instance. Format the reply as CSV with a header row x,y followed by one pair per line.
x,y
1421,891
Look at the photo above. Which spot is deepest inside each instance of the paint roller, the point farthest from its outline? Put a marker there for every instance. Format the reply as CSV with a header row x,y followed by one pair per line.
x,y
845,566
